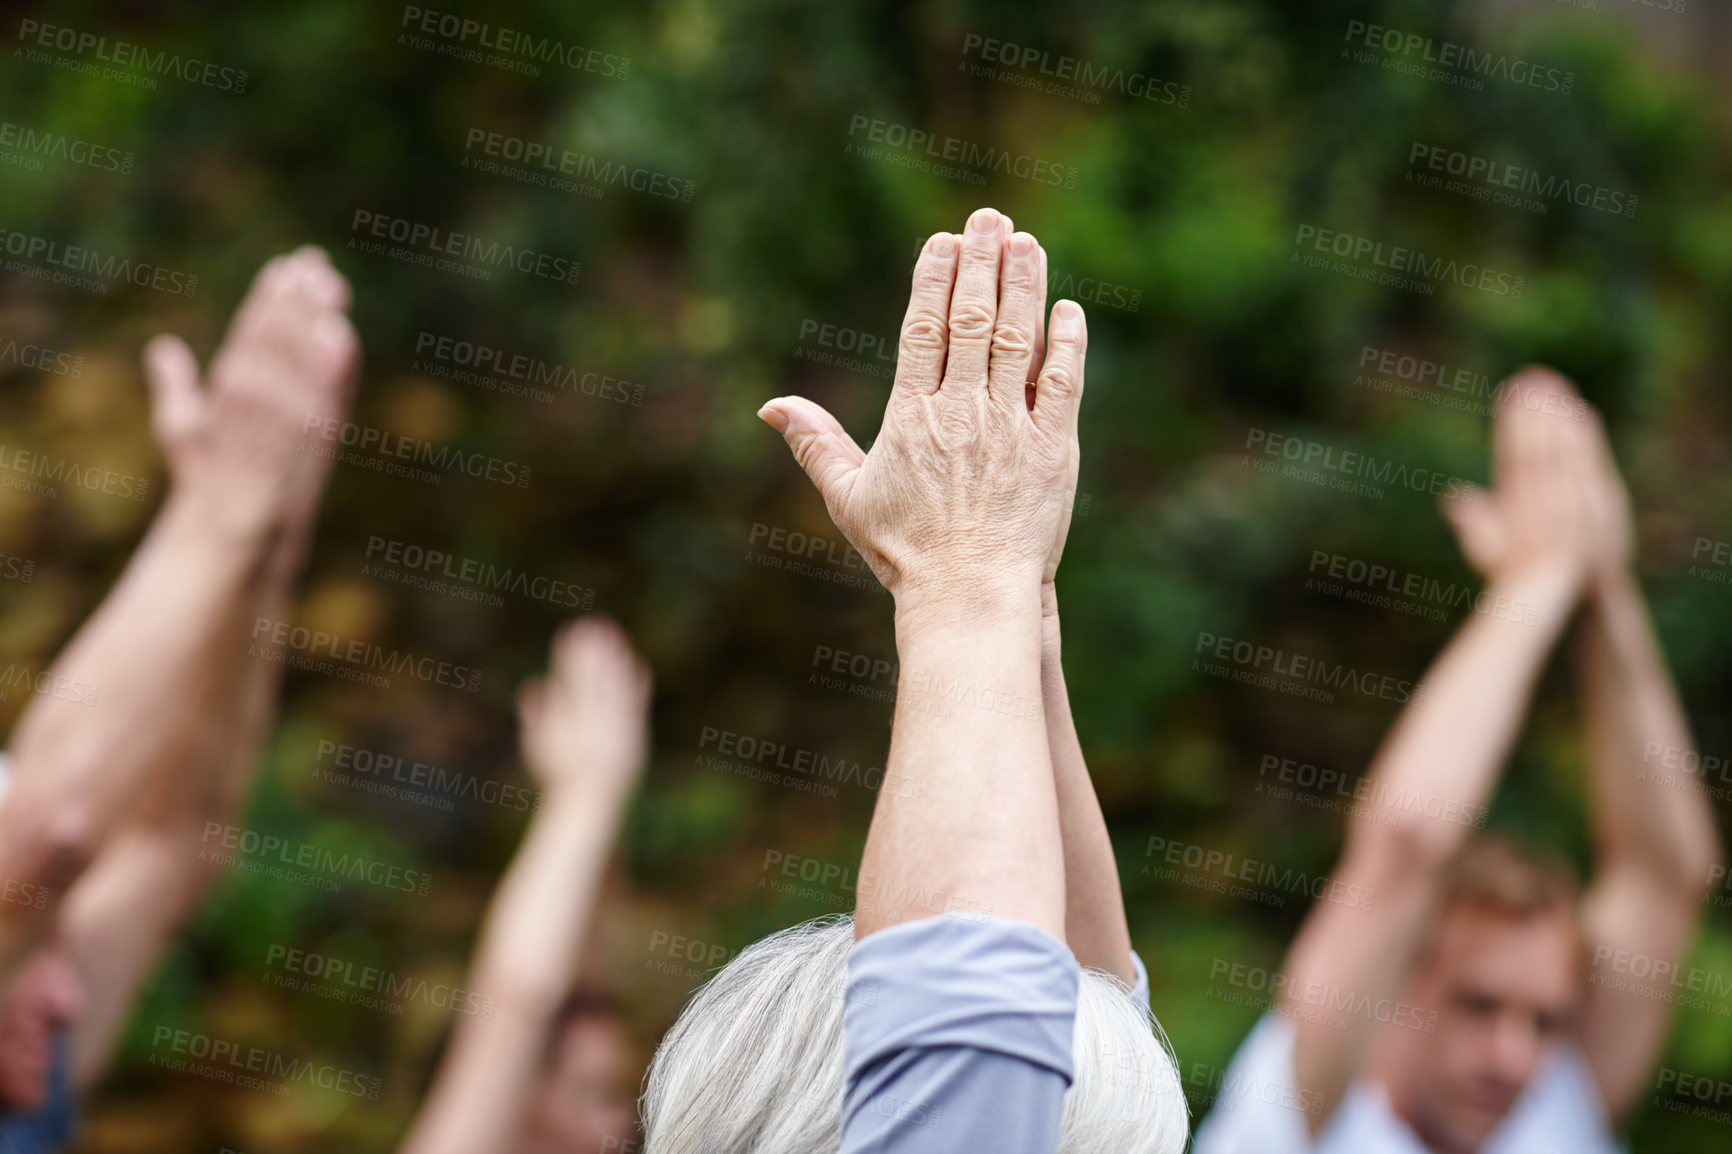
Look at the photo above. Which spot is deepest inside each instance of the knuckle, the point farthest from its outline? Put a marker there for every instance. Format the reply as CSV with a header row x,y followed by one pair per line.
x,y
1059,378
1013,340
924,335
971,320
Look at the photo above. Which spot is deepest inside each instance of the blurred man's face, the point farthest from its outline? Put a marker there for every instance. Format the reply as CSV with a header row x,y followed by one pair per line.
x,y
586,1102
1505,992
46,995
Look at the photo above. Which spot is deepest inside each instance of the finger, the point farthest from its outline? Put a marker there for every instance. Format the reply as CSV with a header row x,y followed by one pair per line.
x,y
1018,319
1034,362
974,304
171,374
1058,389
531,703
926,324
820,444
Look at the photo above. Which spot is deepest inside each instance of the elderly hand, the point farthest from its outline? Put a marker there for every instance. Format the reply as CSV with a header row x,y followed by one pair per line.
x,y
966,488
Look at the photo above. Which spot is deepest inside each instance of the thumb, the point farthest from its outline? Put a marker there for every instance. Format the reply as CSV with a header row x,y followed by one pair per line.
x,y
820,444
171,373
1472,513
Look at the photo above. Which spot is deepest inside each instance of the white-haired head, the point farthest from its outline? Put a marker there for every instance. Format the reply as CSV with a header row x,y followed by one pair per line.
x,y
754,1064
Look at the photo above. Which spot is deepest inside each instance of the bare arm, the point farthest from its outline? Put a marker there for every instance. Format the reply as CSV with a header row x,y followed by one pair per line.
x,y
1653,831
145,657
195,753
1447,749
954,510
584,736
1095,926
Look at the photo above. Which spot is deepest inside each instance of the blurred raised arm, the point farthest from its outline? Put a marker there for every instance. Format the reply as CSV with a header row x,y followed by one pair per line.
x,y
1435,772
1653,831
585,733
163,654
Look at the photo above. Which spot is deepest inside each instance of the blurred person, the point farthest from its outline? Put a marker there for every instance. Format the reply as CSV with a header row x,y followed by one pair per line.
x,y
1473,1005
540,1068
1007,1022
111,783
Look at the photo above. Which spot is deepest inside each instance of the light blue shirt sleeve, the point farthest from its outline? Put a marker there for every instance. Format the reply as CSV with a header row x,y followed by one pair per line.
x,y
957,1037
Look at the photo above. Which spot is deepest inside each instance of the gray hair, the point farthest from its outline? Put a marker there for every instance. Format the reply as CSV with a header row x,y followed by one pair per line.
x,y
754,1063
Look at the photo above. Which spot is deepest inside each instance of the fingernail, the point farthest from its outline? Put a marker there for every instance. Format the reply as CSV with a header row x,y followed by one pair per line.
x,y
984,220
773,417
942,244
1021,244
1066,318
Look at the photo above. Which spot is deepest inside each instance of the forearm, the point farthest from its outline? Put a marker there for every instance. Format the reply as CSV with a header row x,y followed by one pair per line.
x,y
1095,926
530,941
967,817
1636,729
1435,772
151,656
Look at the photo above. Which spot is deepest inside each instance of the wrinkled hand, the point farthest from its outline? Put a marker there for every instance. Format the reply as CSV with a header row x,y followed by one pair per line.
x,y
1558,501
586,724
965,492
290,355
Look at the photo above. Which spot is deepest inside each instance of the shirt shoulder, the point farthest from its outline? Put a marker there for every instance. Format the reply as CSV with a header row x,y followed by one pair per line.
x,y
957,1035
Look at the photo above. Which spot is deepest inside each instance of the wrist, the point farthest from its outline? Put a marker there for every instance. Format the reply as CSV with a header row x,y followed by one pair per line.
x,y
964,605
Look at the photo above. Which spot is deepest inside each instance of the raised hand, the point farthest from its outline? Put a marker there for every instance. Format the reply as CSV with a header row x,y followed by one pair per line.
x,y
585,726
965,487
1557,503
289,359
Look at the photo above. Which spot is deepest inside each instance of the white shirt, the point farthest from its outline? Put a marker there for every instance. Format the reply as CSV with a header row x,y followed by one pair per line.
x,y
1258,1110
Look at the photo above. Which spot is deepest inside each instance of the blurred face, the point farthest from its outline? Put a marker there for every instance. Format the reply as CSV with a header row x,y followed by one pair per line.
x,y
586,1103
1505,991
45,997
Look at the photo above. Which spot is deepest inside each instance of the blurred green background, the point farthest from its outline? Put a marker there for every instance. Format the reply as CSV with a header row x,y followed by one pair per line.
x,y
1177,233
